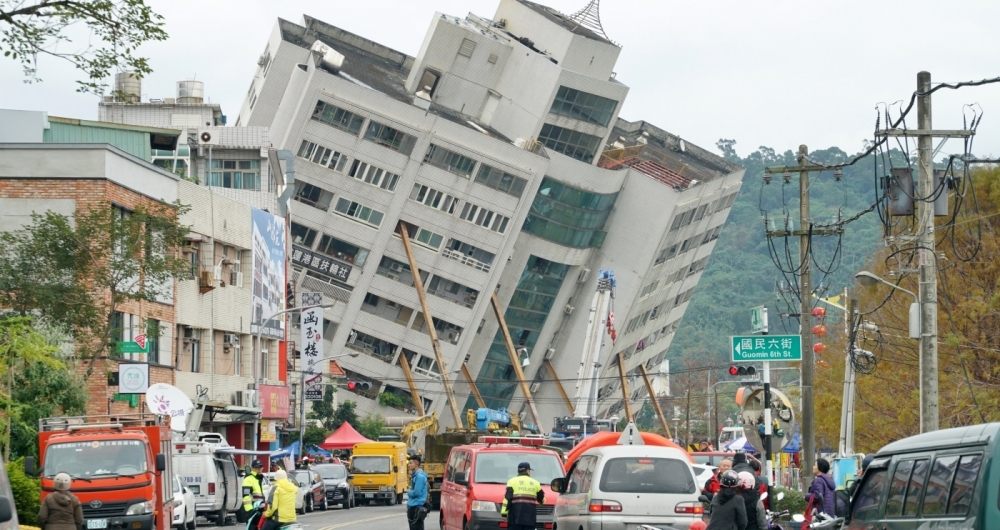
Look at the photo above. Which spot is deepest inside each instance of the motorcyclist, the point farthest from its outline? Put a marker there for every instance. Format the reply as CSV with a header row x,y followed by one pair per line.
x,y
281,511
756,517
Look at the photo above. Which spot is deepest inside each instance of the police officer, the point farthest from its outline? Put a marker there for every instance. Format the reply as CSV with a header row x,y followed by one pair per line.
x,y
253,481
519,502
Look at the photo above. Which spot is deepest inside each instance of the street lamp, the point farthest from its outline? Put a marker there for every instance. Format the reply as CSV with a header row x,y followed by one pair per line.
x,y
257,379
302,395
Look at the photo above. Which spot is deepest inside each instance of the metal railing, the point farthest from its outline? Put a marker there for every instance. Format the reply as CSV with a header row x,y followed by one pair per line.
x,y
466,260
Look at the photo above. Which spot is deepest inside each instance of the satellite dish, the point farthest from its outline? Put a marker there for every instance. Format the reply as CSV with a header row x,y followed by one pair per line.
x,y
169,400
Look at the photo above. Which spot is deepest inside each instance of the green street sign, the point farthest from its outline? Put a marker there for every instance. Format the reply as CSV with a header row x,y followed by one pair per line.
x,y
758,320
139,345
767,348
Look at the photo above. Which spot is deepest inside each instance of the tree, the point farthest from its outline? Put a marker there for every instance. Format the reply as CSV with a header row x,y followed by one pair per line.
x,y
314,435
372,426
116,28
345,413
324,410
78,272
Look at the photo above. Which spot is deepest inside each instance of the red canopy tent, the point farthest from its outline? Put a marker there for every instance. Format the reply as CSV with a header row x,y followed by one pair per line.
x,y
343,438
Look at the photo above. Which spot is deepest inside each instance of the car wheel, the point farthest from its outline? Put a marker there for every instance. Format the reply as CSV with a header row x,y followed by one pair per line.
x,y
194,523
441,520
399,498
391,500
309,504
221,517
326,503
466,525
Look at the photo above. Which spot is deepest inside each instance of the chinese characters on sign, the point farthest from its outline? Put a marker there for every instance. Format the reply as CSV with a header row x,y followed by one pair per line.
x,y
312,348
267,431
767,348
320,263
274,402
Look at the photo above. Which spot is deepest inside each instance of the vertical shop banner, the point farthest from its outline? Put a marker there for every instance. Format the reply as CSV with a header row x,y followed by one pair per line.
x,y
268,431
268,273
274,402
311,347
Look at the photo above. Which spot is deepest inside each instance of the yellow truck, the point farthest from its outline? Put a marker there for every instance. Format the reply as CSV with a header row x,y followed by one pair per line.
x,y
379,470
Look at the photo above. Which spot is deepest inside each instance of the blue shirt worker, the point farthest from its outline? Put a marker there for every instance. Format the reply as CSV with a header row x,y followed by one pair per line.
x,y
416,498
522,497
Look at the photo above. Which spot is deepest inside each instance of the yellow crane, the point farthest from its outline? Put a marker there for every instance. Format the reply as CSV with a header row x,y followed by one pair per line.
x,y
429,422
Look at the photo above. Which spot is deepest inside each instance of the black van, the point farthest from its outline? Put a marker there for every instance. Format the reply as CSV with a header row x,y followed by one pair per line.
x,y
941,479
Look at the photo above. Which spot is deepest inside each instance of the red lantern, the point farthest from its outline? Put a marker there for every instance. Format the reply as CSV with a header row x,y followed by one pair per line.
x,y
819,330
819,348
819,312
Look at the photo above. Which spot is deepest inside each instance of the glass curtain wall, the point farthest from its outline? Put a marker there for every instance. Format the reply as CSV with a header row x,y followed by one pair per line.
x,y
569,216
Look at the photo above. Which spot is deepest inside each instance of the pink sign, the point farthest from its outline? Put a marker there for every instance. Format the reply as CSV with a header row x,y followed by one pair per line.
x,y
274,401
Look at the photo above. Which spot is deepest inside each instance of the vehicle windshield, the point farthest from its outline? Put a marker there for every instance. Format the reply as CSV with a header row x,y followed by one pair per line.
x,y
647,475
332,472
302,477
370,464
96,458
498,468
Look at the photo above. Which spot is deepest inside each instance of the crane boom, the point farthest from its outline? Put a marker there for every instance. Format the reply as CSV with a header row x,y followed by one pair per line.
x,y
597,324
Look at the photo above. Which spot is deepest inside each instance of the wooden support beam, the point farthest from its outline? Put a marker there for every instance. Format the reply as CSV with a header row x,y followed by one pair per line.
x,y
472,385
562,391
621,375
655,401
514,361
405,365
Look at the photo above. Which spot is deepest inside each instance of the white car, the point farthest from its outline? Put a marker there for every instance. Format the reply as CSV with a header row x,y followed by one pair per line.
x,y
185,515
703,472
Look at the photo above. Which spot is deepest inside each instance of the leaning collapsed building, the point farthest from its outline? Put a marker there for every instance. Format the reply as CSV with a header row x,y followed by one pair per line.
x,y
501,149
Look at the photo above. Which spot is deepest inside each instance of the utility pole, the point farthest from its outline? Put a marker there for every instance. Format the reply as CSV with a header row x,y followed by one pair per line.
x,y
928,267
805,325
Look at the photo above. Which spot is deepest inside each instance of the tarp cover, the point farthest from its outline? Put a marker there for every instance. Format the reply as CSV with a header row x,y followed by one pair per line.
x,y
345,437
293,450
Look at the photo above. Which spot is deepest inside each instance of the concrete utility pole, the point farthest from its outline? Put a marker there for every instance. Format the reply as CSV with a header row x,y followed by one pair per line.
x,y
928,267
805,324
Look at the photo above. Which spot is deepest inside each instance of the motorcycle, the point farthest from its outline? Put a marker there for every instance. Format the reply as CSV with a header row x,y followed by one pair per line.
x,y
821,521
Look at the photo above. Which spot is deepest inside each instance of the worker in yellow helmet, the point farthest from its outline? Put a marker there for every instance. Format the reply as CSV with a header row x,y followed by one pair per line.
x,y
521,499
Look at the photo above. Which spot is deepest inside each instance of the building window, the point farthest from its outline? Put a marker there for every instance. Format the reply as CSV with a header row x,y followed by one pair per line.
x,y
235,174
361,213
433,198
323,156
649,288
342,250
569,216
429,81
498,180
337,117
153,340
469,251
313,195
450,161
582,106
388,137
428,238
375,176
485,218
468,46
303,235
573,144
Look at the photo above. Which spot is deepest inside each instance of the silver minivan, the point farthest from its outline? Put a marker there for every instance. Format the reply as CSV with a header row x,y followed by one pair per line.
x,y
623,487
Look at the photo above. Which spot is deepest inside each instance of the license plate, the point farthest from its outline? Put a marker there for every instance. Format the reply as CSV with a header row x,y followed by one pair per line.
x,y
369,495
94,524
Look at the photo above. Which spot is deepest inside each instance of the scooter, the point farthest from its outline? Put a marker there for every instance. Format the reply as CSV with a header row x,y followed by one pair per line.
x,y
821,521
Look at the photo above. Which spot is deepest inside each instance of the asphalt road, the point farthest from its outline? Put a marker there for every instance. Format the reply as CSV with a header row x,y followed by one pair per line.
x,y
357,518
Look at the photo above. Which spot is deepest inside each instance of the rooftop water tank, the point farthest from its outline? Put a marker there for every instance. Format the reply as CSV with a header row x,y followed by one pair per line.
x,y
128,87
190,91
332,59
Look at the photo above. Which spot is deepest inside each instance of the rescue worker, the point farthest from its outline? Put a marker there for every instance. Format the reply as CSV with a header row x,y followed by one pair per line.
x,y
281,511
519,502
253,481
61,510
416,498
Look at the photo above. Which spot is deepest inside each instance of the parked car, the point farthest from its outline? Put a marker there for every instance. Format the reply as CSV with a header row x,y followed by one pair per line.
x,y
312,488
339,487
300,500
185,512
614,487
711,458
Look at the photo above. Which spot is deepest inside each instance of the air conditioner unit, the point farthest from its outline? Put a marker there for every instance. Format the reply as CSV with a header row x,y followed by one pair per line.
x,y
208,137
535,386
207,279
584,274
230,338
352,337
262,60
569,309
549,354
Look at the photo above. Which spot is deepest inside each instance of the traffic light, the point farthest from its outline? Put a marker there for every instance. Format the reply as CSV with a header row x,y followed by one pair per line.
x,y
743,371
363,386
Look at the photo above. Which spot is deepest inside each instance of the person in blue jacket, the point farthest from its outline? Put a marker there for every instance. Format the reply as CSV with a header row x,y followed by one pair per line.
x,y
416,498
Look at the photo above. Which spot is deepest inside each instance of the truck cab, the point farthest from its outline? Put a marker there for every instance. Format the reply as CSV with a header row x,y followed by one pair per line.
x,y
379,470
476,478
120,465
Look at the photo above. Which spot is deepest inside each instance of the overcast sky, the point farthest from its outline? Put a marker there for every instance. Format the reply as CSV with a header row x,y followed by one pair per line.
x,y
776,73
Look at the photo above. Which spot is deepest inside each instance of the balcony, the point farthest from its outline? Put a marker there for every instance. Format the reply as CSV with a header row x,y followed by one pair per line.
x,y
372,346
452,291
338,293
466,260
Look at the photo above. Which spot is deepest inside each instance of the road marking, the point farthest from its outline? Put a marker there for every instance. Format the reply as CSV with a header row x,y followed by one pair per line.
x,y
349,523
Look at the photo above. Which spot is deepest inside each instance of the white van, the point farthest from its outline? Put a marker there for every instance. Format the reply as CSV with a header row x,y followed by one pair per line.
x,y
621,487
8,515
212,476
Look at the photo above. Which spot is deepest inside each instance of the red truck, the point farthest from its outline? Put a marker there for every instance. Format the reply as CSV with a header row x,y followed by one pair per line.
x,y
120,466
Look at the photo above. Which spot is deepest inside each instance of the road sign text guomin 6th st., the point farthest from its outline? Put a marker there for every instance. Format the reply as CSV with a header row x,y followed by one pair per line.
x,y
766,348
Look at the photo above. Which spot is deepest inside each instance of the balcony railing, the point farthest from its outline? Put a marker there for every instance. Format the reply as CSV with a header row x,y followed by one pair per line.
x,y
337,293
464,300
466,260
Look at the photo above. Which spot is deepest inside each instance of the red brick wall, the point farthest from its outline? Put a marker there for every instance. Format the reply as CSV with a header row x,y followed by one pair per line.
x,y
99,193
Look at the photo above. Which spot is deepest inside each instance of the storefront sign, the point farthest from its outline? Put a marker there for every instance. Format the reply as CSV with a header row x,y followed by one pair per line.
x,y
320,263
274,402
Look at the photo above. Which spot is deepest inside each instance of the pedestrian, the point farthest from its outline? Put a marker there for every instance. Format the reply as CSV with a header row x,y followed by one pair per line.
x,y
712,484
253,481
756,519
281,511
741,463
729,512
822,490
61,510
520,500
864,467
416,498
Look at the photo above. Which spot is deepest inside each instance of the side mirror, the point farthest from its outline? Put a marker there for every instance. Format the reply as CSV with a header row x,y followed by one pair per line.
x,y
6,513
704,498
798,518
395,469
29,466
350,476
558,485
161,462
460,478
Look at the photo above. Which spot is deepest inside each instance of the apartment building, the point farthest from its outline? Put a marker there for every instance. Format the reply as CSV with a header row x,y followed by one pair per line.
x,y
500,148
